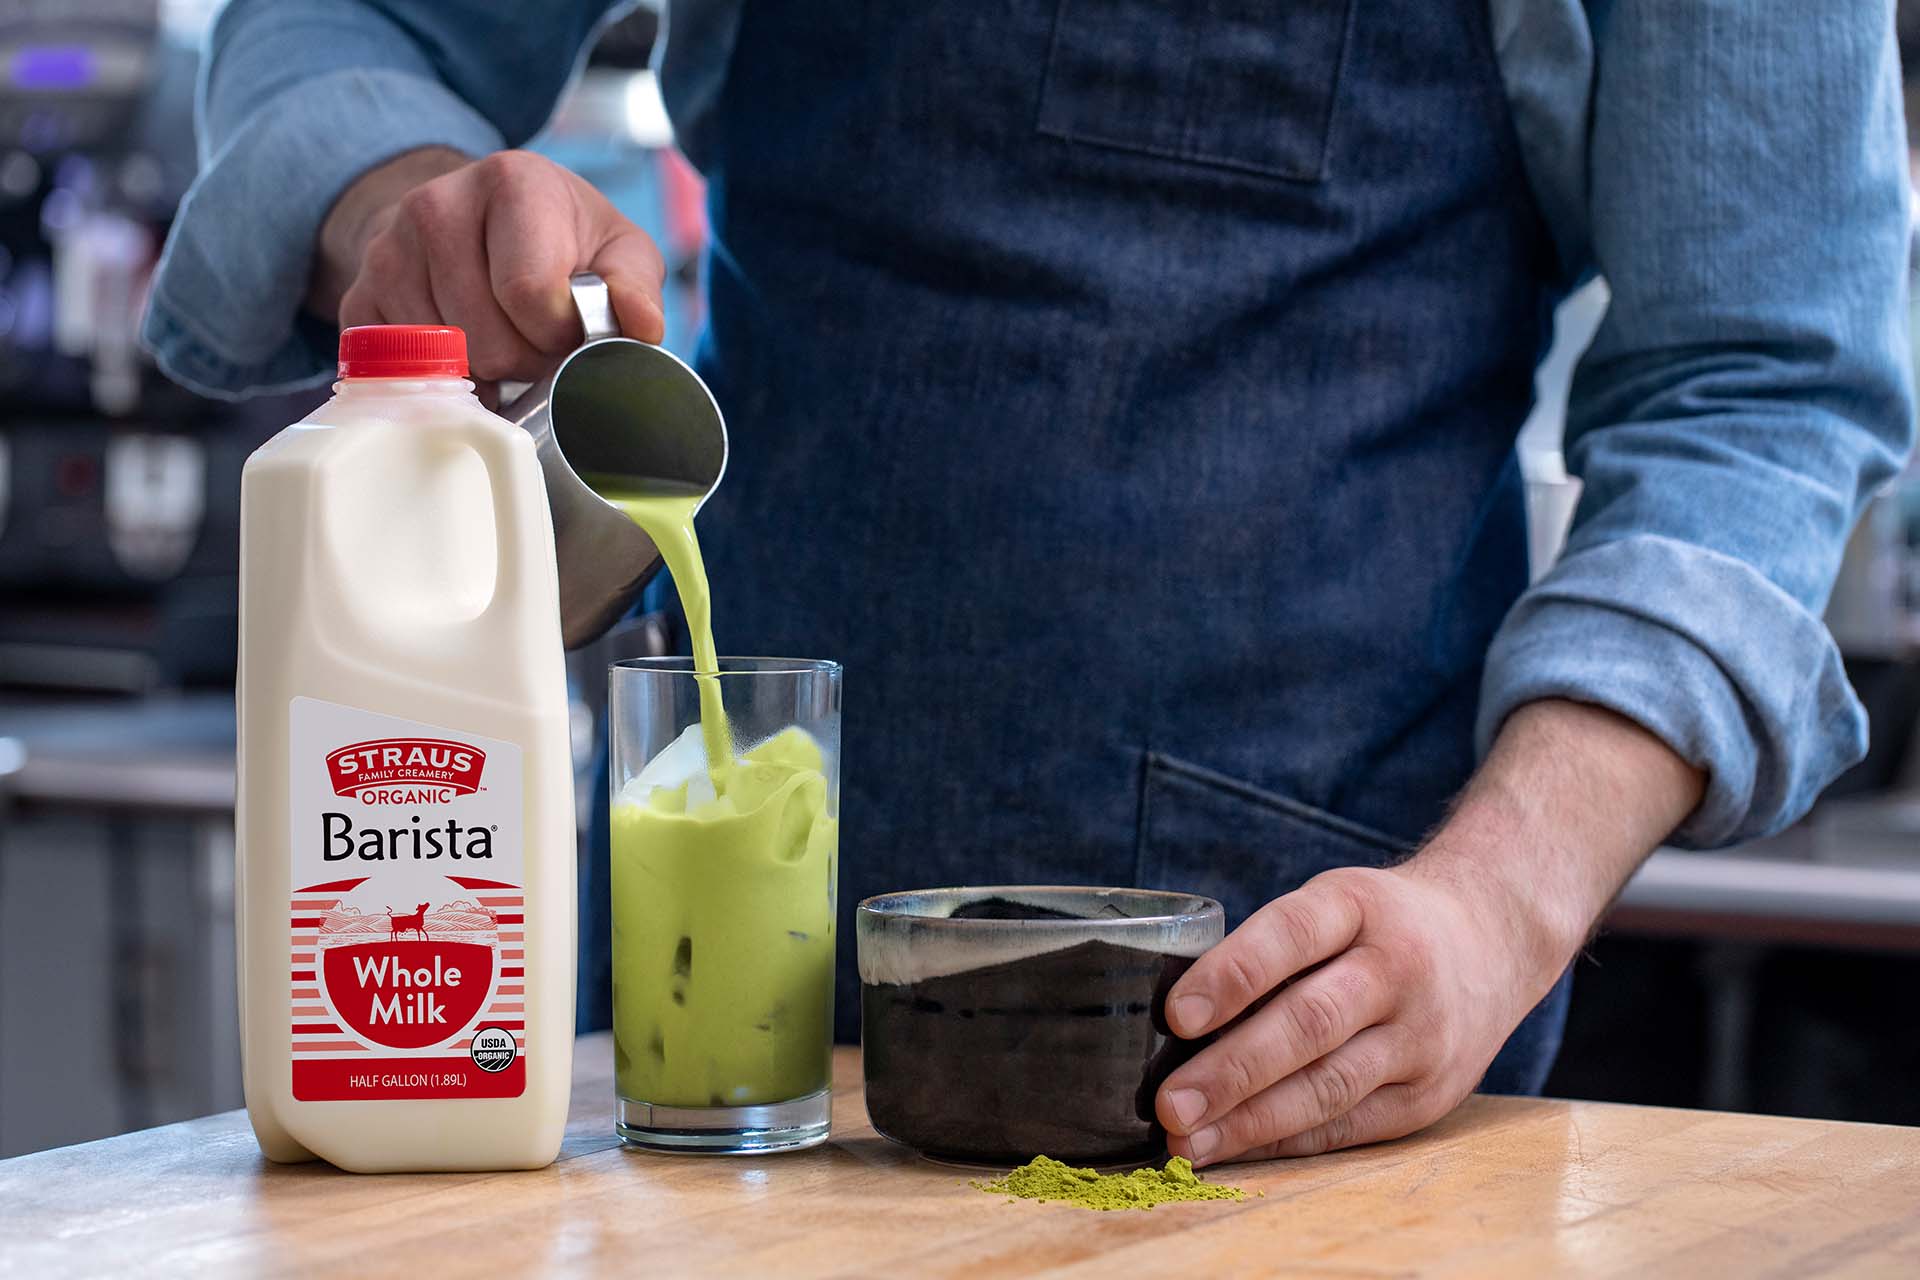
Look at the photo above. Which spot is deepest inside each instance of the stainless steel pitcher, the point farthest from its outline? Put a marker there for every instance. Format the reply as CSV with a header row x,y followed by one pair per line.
x,y
615,407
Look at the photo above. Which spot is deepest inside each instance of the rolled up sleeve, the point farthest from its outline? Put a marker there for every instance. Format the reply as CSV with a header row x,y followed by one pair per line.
x,y
1747,391
297,99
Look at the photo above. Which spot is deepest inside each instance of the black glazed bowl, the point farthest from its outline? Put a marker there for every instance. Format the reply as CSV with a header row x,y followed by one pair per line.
x,y
998,1024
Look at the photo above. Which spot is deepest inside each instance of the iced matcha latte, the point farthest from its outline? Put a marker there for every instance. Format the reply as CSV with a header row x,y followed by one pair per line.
x,y
723,933
725,840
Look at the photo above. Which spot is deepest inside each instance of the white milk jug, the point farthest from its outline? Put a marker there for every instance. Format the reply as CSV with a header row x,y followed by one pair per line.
x,y
405,823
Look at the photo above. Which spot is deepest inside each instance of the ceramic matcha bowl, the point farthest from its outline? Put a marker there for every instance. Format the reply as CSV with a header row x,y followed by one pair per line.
x,y
1006,1022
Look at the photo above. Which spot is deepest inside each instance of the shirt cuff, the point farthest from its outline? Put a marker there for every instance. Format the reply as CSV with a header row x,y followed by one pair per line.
x,y
1703,651
224,314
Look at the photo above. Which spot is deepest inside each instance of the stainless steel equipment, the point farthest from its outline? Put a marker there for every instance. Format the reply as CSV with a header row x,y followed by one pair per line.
x,y
625,409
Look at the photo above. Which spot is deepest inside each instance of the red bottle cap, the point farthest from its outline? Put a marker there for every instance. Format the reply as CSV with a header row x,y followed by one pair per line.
x,y
403,351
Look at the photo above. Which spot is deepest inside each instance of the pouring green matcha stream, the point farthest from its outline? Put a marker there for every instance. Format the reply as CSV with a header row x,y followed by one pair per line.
x,y
665,512
723,945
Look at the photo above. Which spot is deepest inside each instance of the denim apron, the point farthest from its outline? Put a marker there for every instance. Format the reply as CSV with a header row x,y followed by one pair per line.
x,y
1125,392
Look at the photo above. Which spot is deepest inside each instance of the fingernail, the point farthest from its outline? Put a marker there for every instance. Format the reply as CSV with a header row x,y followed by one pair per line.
x,y
1203,1143
1192,1012
1187,1105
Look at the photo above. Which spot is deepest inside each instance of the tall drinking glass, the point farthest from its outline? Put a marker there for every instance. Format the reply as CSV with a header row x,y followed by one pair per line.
x,y
724,874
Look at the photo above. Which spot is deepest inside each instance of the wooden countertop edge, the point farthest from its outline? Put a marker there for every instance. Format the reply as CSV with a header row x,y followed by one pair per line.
x,y
1503,1186
846,1085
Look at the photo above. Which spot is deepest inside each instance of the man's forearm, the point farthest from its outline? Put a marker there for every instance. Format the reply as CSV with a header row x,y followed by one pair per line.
x,y
1571,799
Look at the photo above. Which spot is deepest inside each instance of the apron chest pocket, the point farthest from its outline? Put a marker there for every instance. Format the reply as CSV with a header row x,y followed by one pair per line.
x,y
1236,84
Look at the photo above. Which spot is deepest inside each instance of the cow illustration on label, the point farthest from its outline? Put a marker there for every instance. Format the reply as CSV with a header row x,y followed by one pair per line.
x,y
408,992
408,974
397,925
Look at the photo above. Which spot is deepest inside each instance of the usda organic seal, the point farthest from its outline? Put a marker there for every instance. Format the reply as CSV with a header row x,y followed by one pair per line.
x,y
493,1048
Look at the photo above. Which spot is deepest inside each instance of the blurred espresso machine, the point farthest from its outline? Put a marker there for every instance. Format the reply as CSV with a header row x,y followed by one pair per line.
x,y
118,491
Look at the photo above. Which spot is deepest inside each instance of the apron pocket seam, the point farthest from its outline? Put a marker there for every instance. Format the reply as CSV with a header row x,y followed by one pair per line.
x,y
1284,805
1178,155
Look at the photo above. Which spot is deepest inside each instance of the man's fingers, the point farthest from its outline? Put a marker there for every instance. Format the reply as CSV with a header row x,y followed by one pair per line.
x,y
634,271
1391,1111
491,247
447,230
359,305
532,246
627,259
392,286
1307,1021
1287,935
1311,1098
543,225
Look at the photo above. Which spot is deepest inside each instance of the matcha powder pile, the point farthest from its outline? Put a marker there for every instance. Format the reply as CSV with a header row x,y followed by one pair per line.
x,y
1043,1178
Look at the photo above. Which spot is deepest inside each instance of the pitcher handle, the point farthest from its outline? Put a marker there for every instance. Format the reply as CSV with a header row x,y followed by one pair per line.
x,y
594,302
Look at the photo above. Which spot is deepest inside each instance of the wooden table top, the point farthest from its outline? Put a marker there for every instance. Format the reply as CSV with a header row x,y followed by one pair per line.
x,y
1504,1187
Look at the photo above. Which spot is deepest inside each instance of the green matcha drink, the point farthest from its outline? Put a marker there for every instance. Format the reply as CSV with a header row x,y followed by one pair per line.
x,y
723,921
722,937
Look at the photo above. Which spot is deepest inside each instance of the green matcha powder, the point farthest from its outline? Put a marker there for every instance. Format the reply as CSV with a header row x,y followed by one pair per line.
x,y
1044,1178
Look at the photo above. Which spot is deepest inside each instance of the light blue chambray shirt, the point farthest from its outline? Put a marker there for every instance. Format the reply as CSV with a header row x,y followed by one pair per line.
x,y
1736,169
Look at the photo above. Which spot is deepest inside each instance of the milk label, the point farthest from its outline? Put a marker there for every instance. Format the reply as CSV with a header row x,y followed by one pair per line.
x,y
407,917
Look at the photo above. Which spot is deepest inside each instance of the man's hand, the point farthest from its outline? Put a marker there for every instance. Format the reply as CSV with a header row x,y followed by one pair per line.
x,y
1378,998
433,238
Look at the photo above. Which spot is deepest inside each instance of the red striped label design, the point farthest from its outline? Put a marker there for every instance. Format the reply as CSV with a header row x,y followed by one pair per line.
x,y
407,918
333,886
331,1062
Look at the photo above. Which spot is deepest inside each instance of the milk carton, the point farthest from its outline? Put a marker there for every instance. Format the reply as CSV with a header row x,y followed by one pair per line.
x,y
405,812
